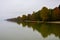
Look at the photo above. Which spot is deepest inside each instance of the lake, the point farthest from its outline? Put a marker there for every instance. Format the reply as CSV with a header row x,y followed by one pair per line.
x,y
29,31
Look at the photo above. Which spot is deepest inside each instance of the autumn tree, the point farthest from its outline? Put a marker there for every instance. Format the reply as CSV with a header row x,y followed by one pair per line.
x,y
56,14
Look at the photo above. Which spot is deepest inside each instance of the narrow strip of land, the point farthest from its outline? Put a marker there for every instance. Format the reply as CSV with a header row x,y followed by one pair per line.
x,y
45,22
54,22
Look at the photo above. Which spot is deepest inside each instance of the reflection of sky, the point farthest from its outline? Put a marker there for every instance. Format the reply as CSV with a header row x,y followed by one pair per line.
x,y
13,31
13,8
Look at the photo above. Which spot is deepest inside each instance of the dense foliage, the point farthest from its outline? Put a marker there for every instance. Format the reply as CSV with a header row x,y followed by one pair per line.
x,y
44,14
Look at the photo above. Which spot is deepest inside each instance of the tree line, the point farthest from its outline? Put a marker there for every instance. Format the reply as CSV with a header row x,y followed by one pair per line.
x,y
44,14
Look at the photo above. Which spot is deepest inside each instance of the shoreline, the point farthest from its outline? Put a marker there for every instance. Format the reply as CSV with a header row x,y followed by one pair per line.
x,y
14,20
45,22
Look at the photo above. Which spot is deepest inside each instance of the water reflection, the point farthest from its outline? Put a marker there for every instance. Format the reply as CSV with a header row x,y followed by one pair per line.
x,y
44,28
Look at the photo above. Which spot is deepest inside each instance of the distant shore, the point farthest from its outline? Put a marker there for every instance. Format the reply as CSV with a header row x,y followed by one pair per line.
x,y
15,20
46,21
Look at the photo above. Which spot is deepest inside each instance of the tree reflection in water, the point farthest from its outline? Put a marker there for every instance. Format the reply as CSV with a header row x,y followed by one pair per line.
x,y
44,28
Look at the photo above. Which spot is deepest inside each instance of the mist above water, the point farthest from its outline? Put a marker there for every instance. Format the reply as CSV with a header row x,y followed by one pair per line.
x,y
14,8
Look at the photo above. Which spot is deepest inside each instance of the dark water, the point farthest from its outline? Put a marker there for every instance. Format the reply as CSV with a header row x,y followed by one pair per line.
x,y
29,31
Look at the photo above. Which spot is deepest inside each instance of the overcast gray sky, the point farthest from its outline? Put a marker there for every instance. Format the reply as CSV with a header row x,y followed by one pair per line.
x,y
13,8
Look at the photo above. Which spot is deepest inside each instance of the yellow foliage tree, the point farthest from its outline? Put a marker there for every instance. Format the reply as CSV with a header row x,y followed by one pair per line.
x,y
44,13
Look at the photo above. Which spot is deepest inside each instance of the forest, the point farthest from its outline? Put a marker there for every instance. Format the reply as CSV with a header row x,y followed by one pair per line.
x,y
44,14
34,21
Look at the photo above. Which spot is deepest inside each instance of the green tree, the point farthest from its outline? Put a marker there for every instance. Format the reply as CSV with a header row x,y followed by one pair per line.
x,y
29,17
38,18
18,19
50,15
33,16
44,13
24,17
59,6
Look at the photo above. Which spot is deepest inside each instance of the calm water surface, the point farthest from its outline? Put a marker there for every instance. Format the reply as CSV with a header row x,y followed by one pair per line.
x,y
29,31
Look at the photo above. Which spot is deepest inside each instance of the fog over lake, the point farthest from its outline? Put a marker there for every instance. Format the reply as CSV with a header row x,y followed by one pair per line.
x,y
14,8
26,31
